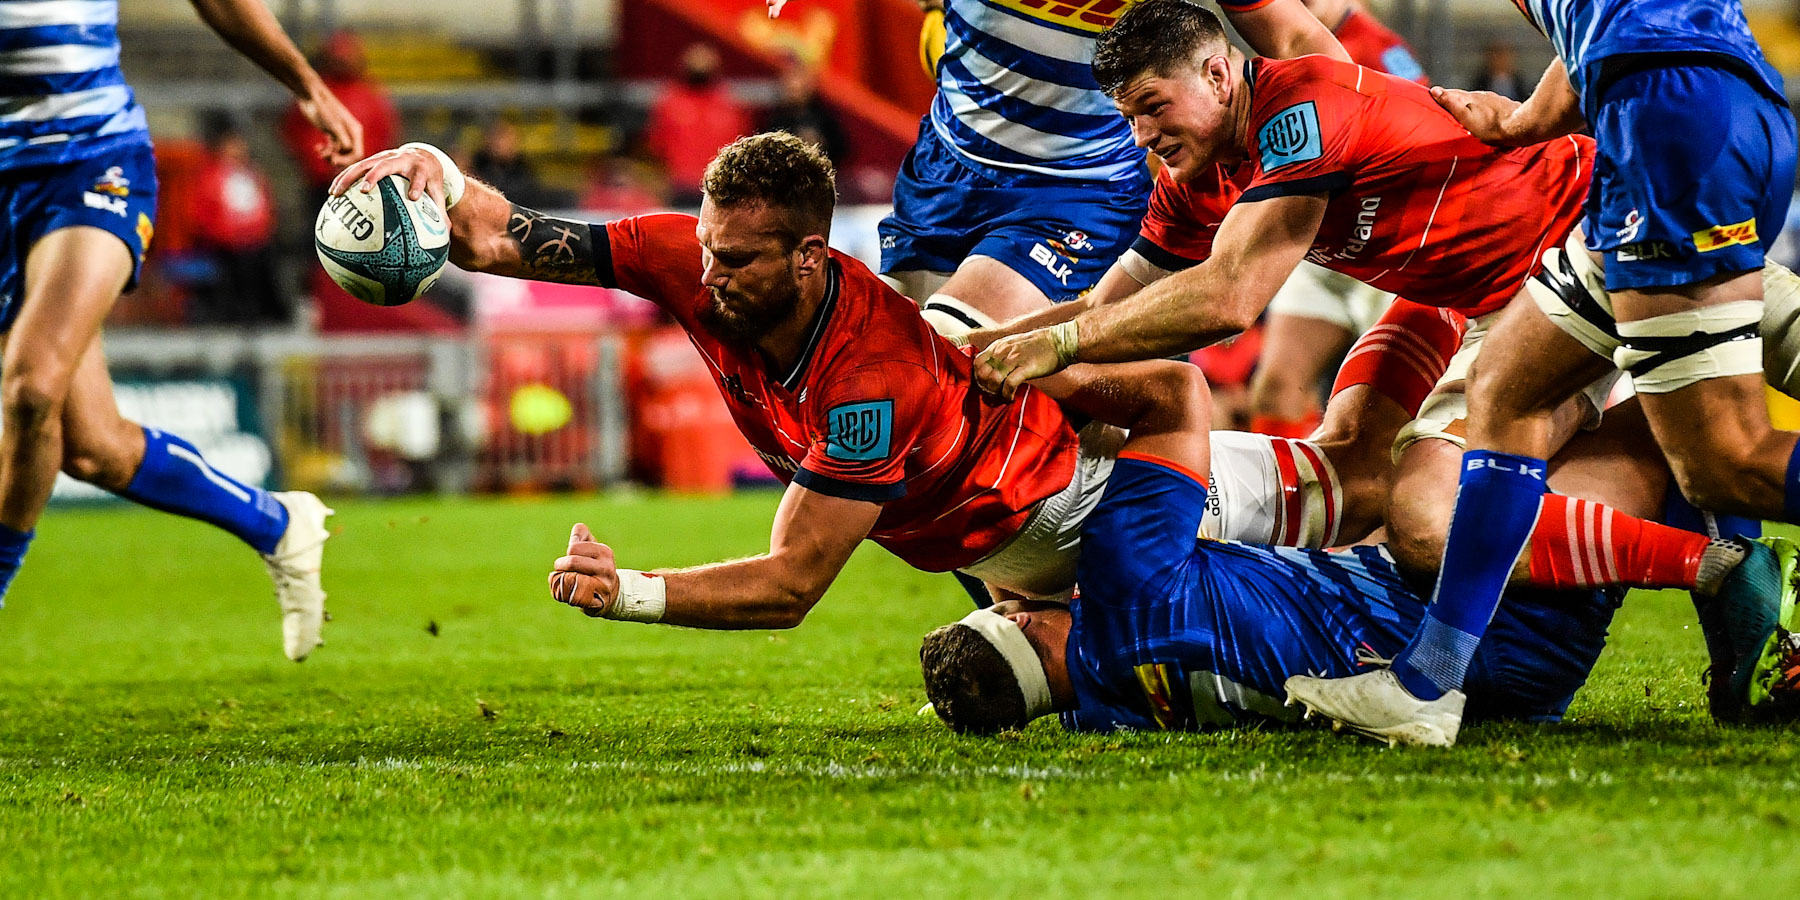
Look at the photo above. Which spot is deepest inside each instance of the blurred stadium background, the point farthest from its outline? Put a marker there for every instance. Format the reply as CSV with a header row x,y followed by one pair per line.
x,y
238,341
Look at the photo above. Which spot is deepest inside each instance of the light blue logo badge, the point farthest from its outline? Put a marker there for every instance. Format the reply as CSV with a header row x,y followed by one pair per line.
x,y
1292,136
860,432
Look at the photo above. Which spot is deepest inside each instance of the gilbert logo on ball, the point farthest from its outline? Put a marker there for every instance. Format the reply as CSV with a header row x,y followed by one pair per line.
x,y
380,246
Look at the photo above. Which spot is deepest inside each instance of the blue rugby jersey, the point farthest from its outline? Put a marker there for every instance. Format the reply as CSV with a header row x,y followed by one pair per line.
x,y
62,95
1172,633
1585,32
1016,89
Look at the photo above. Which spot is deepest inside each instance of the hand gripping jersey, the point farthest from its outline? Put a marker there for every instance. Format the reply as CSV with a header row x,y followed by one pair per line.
x,y
1587,32
878,408
1016,90
1174,633
62,96
1418,207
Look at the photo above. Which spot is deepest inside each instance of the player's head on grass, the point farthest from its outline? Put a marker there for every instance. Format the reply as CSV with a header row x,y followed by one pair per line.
x,y
999,668
1172,73
764,217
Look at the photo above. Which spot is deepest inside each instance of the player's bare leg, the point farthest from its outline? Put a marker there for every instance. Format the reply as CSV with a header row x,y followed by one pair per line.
x,y
1297,351
72,276
107,450
1737,462
982,292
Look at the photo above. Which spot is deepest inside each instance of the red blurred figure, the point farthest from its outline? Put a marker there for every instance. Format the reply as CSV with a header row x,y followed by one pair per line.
x,y
692,120
233,223
344,67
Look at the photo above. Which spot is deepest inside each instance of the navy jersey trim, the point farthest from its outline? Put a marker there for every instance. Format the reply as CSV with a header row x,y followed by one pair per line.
x,y
602,255
849,490
1161,258
1329,183
791,380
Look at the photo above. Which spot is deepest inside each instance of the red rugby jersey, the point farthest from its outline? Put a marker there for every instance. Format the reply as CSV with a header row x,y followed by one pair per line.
x,y
1418,207
878,408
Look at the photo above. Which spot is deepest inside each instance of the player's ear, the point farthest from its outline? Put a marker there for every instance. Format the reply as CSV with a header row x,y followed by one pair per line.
x,y
814,253
1219,75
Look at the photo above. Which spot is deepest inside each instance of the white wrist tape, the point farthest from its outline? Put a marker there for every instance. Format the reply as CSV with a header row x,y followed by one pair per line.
x,y
642,597
454,182
1064,340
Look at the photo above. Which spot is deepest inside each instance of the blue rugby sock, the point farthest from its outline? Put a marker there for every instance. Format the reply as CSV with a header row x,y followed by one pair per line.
x,y
175,478
1496,507
1679,513
13,545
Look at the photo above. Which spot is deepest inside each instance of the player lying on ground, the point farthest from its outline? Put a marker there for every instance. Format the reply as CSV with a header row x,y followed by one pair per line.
x,y
1023,185
1360,171
1695,171
1169,632
78,187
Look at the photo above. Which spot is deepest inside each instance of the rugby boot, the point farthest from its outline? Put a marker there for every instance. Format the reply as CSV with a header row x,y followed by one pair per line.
x,y
1377,705
295,567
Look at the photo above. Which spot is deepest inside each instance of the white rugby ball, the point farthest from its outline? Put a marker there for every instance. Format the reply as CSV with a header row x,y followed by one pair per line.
x,y
380,246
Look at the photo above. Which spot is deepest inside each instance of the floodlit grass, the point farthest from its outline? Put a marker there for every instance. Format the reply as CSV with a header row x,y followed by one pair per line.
x,y
463,735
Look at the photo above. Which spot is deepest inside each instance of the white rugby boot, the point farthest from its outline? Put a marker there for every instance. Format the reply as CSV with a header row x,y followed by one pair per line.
x,y
294,567
1377,705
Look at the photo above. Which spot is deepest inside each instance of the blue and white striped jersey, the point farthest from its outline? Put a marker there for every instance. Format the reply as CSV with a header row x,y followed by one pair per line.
x,y
62,95
1016,90
1584,32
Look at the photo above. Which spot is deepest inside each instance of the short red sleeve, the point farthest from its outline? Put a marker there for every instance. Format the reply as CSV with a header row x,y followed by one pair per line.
x,y
1178,229
865,427
656,257
1303,126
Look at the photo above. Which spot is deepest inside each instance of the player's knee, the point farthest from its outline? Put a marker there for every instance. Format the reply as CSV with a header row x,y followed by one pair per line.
x,y
33,395
1724,480
1417,528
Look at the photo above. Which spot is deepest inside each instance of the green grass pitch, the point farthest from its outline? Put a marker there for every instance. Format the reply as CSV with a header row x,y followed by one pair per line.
x,y
462,735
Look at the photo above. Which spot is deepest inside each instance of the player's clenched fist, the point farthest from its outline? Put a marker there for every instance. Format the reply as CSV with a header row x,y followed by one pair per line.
x,y
1012,361
586,578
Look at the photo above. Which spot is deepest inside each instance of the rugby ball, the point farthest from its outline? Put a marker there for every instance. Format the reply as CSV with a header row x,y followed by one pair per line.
x,y
380,246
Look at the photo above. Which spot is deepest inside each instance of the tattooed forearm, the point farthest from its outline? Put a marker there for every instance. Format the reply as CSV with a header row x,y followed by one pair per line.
x,y
552,249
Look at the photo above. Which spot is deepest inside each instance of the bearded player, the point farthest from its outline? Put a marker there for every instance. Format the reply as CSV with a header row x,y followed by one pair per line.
x,y
78,192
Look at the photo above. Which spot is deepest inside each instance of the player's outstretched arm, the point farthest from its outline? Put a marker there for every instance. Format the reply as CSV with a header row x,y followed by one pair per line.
x,y
813,537
488,233
250,29
1551,111
1285,29
1257,247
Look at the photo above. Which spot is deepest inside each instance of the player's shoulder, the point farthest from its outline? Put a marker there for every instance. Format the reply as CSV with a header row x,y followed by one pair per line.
x,y
658,229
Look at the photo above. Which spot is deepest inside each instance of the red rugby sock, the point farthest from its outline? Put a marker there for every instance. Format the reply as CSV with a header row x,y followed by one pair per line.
x,y
1404,354
1583,544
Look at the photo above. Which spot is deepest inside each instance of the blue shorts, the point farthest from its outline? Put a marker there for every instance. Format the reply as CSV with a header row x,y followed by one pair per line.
x,y
1061,234
1694,175
114,192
